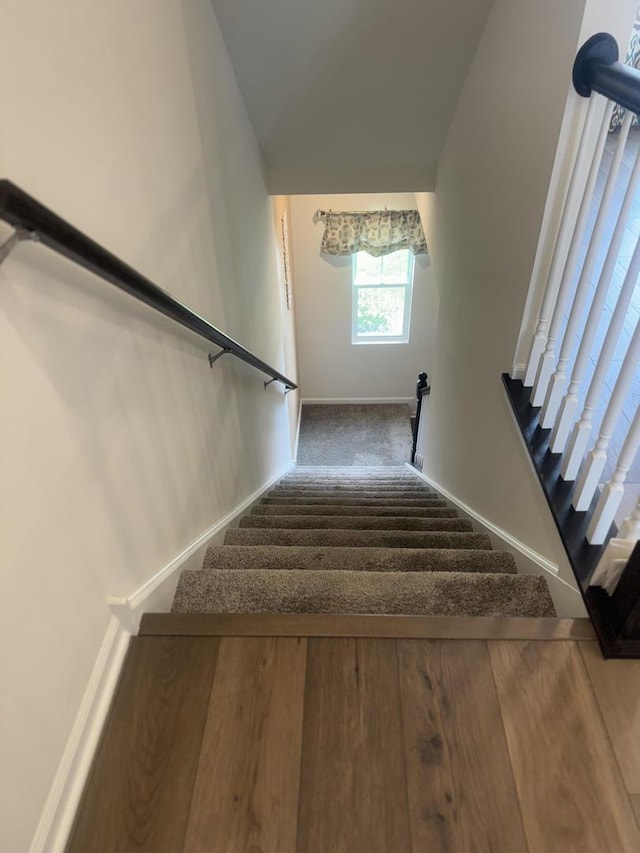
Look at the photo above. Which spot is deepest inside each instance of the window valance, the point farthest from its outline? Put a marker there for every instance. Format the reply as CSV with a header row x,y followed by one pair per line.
x,y
378,232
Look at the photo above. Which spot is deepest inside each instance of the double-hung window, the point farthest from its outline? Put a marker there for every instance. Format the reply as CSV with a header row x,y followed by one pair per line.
x,y
381,298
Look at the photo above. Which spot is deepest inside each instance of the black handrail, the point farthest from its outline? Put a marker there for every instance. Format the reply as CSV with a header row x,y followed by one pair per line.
x,y
33,220
596,69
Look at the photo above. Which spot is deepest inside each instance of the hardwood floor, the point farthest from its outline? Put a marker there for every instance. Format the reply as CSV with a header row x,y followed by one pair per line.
x,y
356,744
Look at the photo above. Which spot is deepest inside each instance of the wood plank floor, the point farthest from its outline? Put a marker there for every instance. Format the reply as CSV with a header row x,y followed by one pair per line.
x,y
356,744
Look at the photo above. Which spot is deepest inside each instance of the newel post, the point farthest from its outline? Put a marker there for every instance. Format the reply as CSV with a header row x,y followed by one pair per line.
x,y
422,389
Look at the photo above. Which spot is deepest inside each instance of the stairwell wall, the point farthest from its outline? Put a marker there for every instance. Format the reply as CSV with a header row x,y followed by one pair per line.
x,y
118,444
482,225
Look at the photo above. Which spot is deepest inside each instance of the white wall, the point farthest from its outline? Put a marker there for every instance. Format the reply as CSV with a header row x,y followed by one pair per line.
x,y
118,444
482,225
331,367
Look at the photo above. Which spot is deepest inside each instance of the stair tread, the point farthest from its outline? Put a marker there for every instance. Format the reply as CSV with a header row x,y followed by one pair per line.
x,y
326,591
355,538
383,510
353,522
303,557
342,500
352,487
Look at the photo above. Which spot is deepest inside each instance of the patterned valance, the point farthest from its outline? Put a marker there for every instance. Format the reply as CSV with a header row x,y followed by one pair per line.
x,y
378,232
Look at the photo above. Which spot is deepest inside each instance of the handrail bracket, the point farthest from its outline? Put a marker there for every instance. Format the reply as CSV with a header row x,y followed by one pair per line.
x,y
214,358
19,236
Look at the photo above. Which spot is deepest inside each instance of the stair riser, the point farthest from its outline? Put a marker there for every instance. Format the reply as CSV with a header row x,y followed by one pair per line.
x,y
358,538
320,522
267,557
411,511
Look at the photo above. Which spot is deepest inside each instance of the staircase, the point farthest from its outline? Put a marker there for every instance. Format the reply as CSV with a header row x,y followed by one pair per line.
x,y
349,540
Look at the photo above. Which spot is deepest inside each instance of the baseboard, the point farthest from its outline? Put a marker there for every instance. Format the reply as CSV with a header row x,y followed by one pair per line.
x,y
64,796
157,593
566,598
354,401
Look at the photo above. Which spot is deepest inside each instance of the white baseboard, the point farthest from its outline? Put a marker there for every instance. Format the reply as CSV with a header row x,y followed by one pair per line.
x,y
156,594
518,371
68,784
566,598
354,401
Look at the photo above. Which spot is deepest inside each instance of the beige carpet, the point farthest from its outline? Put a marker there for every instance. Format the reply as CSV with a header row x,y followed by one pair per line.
x,y
355,435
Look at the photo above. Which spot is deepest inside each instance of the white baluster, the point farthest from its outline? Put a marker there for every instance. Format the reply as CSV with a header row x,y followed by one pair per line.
x,y
559,254
569,407
630,527
613,491
558,384
565,293
594,463
612,564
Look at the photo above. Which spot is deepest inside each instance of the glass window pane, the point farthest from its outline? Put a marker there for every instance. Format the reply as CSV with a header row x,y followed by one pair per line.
x,y
368,270
395,267
380,311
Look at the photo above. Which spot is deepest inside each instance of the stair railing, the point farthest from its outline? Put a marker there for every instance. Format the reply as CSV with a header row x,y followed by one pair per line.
x,y
570,370
33,221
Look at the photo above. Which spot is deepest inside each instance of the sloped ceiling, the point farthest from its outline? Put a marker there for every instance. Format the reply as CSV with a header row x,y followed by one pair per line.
x,y
351,95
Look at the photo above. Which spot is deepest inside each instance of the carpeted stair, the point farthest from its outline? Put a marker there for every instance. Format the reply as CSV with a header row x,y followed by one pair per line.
x,y
350,540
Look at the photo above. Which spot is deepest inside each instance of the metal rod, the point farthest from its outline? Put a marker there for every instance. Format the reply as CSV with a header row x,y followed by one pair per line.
x,y
596,69
266,384
20,210
20,235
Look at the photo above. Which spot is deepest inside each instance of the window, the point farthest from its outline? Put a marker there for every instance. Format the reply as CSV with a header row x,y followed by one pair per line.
x,y
381,298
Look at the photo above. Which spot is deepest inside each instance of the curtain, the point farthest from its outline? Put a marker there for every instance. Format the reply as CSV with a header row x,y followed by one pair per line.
x,y
378,232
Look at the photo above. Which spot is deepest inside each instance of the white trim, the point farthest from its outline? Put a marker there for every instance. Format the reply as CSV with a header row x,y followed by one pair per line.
x,y
518,371
129,609
59,811
351,401
511,541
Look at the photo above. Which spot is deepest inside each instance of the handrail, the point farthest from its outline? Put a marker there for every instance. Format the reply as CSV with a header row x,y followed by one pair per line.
x,y
596,69
34,221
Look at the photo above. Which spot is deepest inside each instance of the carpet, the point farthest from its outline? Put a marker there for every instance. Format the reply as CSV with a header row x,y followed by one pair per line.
x,y
378,434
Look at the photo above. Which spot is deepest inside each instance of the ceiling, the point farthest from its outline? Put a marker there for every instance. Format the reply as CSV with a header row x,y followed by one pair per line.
x,y
351,95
